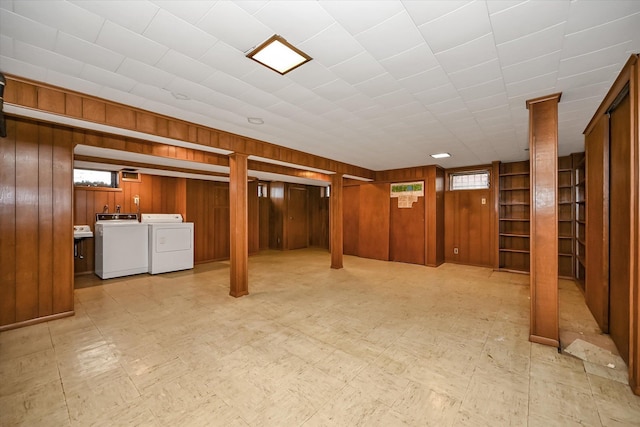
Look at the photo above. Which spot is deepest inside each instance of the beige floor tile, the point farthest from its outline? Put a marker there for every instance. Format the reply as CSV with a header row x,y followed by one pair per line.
x,y
376,344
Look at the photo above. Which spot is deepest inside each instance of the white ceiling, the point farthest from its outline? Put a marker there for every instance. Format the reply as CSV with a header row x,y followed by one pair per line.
x,y
390,83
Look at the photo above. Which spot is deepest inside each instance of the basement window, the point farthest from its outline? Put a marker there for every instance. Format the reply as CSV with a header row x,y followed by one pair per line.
x,y
95,178
262,190
473,180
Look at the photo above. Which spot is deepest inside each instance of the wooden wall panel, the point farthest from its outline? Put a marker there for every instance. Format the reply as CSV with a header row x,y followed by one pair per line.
x,y
351,219
45,221
597,222
26,220
373,236
36,279
253,212
407,232
318,218
264,207
276,215
8,225
297,217
619,226
436,236
468,225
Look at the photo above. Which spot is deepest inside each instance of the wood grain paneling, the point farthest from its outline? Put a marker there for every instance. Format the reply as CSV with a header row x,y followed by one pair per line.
x,y
596,240
36,279
619,226
407,232
276,215
543,149
318,218
336,218
238,190
351,219
373,238
297,217
264,207
468,227
253,217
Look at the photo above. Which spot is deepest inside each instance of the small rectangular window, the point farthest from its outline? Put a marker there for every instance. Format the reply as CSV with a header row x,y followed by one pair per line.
x,y
473,180
262,190
95,178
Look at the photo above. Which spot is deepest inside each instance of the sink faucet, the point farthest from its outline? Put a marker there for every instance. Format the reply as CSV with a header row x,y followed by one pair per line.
x,y
117,208
105,209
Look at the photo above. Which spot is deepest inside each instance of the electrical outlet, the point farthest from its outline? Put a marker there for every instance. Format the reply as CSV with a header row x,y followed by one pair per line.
x,y
455,251
484,201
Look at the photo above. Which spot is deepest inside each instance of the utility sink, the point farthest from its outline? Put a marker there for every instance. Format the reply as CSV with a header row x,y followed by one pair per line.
x,y
82,232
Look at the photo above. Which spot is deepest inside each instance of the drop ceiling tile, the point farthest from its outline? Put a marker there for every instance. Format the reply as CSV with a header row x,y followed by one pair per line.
x,y
27,30
336,90
600,75
132,15
44,58
318,106
142,72
310,75
587,14
130,44
534,45
499,112
223,21
594,60
575,96
355,16
603,36
488,102
448,106
331,46
410,62
294,94
424,11
266,79
258,98
106,78
171,31
311,19
284,109
66,81
396,34
371,112
436,95
495,6
85,51
181,65
469,54
225,58
62,15
180,86
358,69
224,83
426,80
20,68
189,10
355,103
458,27
532,85
6,45
398,99
531,68
482,90
476,75
527,18
379,85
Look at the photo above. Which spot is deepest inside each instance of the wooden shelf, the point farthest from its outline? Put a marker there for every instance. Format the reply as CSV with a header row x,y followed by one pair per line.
x,y
515,219
515,174
525,236
515,189
517,251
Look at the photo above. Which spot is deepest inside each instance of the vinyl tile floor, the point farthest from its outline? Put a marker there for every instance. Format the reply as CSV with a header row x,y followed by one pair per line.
x,y
373,344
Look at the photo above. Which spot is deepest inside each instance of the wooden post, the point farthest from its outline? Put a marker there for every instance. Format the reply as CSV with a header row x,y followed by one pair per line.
x,y
335,221
543,151
239,281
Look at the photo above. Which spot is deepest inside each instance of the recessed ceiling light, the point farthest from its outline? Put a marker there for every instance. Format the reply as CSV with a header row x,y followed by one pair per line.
x,y
279,55
180,96
441,155
255,120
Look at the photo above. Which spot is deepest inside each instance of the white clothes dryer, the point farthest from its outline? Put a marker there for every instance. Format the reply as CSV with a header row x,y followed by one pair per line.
x,y
170,243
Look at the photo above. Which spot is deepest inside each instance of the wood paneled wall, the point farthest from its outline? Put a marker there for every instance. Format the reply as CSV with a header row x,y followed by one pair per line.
x,y
208,209
351,219
36,229
373,221
318,218
468,227
158,194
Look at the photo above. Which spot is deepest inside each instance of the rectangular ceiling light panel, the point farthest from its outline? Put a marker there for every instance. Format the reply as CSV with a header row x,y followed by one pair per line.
x,y
279,55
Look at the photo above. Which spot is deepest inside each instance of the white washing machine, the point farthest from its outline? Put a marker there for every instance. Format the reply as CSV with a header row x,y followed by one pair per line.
x,y
122,245
170,242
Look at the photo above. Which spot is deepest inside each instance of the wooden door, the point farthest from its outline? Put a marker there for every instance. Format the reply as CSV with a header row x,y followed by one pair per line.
x,y
373,222
351,219
407,236
619,226
297,220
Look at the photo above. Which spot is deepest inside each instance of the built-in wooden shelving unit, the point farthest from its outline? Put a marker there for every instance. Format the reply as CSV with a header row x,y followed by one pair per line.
x,y
566,218
580,217
513,239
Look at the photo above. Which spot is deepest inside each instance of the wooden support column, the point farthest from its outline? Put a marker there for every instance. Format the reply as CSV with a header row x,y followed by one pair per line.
x,y
239,282
335,220
543,245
